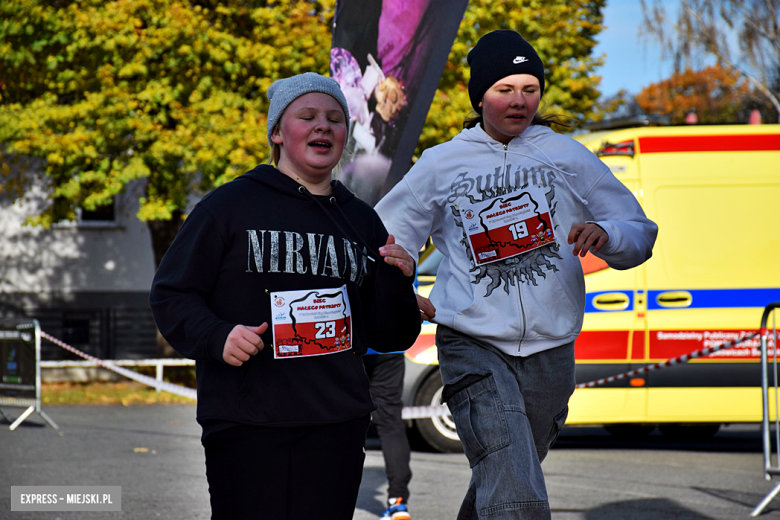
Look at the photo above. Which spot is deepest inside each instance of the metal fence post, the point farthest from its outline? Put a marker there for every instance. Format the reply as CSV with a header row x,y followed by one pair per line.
x,y
20,385
769,469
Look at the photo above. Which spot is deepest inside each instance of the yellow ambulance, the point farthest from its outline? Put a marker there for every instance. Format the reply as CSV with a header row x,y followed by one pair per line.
x,y
714,192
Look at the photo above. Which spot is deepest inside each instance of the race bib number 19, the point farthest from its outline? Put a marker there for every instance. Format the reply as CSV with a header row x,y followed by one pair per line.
x,y
509,225
311,322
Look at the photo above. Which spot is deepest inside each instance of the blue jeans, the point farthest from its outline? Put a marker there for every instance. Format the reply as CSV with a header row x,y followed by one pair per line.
x,y
508,411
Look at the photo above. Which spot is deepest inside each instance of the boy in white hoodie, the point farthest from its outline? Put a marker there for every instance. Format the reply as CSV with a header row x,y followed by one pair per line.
x,y
511,204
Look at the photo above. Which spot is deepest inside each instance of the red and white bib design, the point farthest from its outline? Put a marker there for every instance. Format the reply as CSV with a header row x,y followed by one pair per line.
x,y
311,322
509,225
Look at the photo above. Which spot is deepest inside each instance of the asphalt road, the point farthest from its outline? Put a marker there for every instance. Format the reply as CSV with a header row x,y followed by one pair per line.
x,y
154,453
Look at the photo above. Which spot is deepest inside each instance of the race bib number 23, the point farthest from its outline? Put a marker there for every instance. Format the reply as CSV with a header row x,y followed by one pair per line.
x,y
311,322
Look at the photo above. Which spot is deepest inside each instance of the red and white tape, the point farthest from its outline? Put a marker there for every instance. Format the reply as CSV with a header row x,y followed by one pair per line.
x,y
135,376
424,412
674,361
409,412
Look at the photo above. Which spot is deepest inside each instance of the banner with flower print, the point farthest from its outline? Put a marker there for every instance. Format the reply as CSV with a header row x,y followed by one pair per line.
x,y
388,56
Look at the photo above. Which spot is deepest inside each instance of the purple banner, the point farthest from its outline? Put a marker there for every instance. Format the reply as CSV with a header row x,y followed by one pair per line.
x,y
388,56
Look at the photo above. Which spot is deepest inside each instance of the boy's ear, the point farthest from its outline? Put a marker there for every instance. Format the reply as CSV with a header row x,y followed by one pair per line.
x,y
276,135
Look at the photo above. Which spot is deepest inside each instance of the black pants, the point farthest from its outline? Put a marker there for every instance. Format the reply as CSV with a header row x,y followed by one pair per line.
x,y
386,372
286,473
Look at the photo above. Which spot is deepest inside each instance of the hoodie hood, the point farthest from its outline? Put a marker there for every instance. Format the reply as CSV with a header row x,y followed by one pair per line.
x,y
269,176
528,145
340,196
478,135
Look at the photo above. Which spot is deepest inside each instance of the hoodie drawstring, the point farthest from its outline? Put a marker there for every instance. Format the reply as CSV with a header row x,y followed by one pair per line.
x,y
332,200
551,164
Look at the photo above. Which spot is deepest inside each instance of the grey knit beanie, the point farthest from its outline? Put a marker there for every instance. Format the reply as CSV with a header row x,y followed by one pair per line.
x,y
284,91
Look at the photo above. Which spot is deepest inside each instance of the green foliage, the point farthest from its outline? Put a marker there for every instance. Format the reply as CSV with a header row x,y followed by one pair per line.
x,y
172,91
563,33
105,92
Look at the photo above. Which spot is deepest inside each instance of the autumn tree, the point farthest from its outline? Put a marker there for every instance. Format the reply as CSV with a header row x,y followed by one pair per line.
x,y
742,36
170,91
173,92
716,94
563,33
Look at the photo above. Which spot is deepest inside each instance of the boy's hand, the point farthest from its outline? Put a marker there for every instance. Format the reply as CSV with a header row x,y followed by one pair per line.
x,y
428,311
242,343
397,256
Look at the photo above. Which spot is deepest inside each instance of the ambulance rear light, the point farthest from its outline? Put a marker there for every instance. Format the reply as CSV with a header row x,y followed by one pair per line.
x,y
611,149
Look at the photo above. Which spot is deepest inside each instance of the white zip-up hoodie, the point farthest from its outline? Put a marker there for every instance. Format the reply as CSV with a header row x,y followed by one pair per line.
x,y
534,301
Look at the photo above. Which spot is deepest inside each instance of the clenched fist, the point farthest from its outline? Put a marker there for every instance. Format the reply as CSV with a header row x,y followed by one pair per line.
x,y
242,343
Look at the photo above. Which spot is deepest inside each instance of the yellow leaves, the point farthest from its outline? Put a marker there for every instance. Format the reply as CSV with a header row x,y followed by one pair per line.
x,y
135,169
204,155
68,190
133,69
155,210
152,89
55,159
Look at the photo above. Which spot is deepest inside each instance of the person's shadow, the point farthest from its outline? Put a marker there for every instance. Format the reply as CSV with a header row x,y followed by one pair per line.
x,y
370,499
643,509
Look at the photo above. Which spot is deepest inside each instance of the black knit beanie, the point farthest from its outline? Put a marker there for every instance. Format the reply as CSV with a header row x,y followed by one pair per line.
x,y
497,55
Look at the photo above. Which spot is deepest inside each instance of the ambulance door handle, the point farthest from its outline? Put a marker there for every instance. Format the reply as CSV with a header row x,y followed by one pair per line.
x,y
614,301
674,299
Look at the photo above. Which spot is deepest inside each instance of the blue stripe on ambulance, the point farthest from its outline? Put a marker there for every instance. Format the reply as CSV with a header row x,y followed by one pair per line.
x,y
719,298
589,307
700,298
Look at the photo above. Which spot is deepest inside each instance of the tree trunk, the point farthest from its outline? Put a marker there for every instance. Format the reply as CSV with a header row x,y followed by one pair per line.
x,y
163,232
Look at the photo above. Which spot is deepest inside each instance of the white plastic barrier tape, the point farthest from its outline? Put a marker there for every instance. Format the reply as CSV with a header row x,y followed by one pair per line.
x,y
409,412
674,361
160,385
424,412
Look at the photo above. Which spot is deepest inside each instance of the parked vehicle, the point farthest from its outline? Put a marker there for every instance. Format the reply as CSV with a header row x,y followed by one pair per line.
x,y
714,192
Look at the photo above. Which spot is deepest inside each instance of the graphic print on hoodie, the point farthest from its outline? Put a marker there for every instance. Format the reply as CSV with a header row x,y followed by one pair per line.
x,y
525,267
261,234
533,301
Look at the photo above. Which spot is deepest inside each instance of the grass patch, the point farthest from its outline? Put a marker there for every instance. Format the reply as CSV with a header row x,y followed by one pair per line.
x,y
99,393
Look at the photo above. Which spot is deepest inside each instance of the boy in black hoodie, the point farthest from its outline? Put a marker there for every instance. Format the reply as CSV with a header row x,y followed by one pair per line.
x,y
275,286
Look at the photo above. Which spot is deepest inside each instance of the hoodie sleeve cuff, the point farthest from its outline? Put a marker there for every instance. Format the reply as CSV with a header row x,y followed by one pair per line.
x,y
609,229
217,339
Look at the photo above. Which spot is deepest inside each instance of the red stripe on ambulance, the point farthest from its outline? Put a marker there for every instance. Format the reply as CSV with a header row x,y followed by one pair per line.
x,y
601,344
710,143
665,344
638,345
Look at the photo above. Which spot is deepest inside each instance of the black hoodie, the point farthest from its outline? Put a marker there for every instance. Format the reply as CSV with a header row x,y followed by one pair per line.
x,y
263,232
